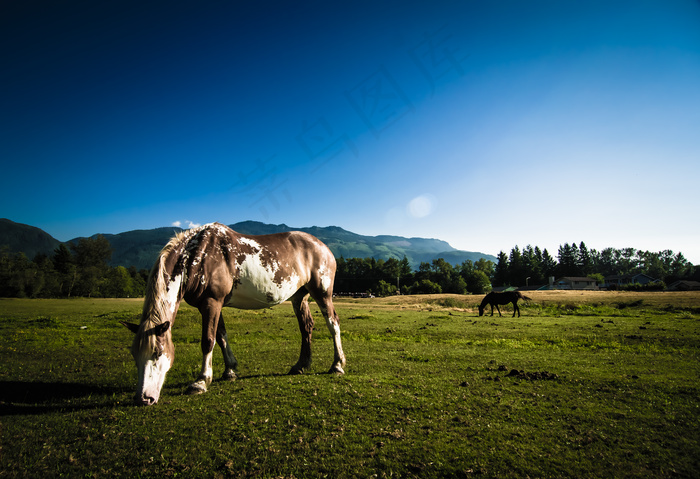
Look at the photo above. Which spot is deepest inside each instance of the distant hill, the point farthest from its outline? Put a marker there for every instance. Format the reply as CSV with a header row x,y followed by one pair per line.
x,y
140,248
26,239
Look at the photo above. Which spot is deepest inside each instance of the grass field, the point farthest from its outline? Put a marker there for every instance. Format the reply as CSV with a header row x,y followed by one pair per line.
x,y
584,384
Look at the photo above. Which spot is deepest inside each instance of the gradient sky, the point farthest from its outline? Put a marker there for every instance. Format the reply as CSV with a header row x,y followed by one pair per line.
x,y
485,124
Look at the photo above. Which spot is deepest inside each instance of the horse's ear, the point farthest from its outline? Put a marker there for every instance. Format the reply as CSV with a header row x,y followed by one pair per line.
x,y
131,326
162,328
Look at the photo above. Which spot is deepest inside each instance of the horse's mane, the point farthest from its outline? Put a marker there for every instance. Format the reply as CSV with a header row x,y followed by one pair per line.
x,y
154,305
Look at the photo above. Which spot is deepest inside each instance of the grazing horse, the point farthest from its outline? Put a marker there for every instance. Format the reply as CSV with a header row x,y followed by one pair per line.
x,y
213,266
494,299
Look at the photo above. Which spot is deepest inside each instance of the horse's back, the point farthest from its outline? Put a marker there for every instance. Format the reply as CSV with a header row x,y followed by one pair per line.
x,y
275,266
297,248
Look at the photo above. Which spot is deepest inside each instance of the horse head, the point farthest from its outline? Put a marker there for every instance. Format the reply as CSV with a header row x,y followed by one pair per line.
x,y
154,354
153,348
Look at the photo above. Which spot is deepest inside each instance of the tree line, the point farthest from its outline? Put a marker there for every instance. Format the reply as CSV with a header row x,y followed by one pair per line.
x,y
534,266
77,270
392,276
82,269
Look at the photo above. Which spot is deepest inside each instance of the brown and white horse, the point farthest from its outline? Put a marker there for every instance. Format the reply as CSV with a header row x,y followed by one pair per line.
x,y
213,266
495,298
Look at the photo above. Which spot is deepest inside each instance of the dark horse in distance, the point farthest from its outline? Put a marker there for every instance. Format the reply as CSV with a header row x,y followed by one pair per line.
x,y
213,266
494,299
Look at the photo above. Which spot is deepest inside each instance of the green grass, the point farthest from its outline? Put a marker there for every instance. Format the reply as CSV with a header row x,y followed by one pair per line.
x,y
431,390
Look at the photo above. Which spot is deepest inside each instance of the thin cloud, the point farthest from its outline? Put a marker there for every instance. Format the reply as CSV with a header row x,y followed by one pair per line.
x,y
190,224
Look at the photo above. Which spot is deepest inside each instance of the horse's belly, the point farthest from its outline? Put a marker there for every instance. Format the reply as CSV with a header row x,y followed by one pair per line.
x,y
257,287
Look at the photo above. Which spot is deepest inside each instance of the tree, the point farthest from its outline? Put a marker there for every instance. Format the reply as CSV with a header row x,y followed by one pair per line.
x,y
94,251
390,271
66,270
517,272
405,272
500,274
568,260
549,265
43,279
626,261
680,267
486,266
425,286
118,283
584,260
455,284
385,289
139,279
12,270
606,263
478,283
532,260
599,279
91,257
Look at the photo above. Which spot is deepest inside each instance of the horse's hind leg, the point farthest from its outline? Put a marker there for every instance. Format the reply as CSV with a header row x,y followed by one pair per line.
x,y
516,308
306,327
229,359
325,302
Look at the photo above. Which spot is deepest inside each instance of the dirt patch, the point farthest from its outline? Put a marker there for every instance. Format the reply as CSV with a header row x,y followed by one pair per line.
x,y
532,376
520,374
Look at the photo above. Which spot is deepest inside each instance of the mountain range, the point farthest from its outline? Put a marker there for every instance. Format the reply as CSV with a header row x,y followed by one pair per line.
x,y
140,248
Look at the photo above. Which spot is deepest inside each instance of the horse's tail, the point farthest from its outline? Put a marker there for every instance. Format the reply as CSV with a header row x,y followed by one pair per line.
x,y
522,296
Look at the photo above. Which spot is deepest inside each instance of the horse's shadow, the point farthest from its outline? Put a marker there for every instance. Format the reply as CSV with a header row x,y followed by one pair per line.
x,y
244,377
37,397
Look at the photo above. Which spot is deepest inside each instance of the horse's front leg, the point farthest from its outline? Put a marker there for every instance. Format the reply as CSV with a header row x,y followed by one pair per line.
x,y
497,309
211,312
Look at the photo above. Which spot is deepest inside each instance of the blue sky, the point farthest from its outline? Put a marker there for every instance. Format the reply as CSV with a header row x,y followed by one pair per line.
x,y
485,124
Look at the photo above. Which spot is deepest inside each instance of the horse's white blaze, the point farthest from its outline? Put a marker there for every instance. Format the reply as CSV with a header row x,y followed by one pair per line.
x,y
151,376
257,287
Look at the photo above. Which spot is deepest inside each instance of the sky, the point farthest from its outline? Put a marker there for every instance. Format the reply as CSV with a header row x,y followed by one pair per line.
x,y
485,124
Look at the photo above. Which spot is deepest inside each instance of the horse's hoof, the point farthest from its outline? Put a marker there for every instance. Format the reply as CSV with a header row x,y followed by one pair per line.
x,y
229,376
295,370
196,388
336,370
